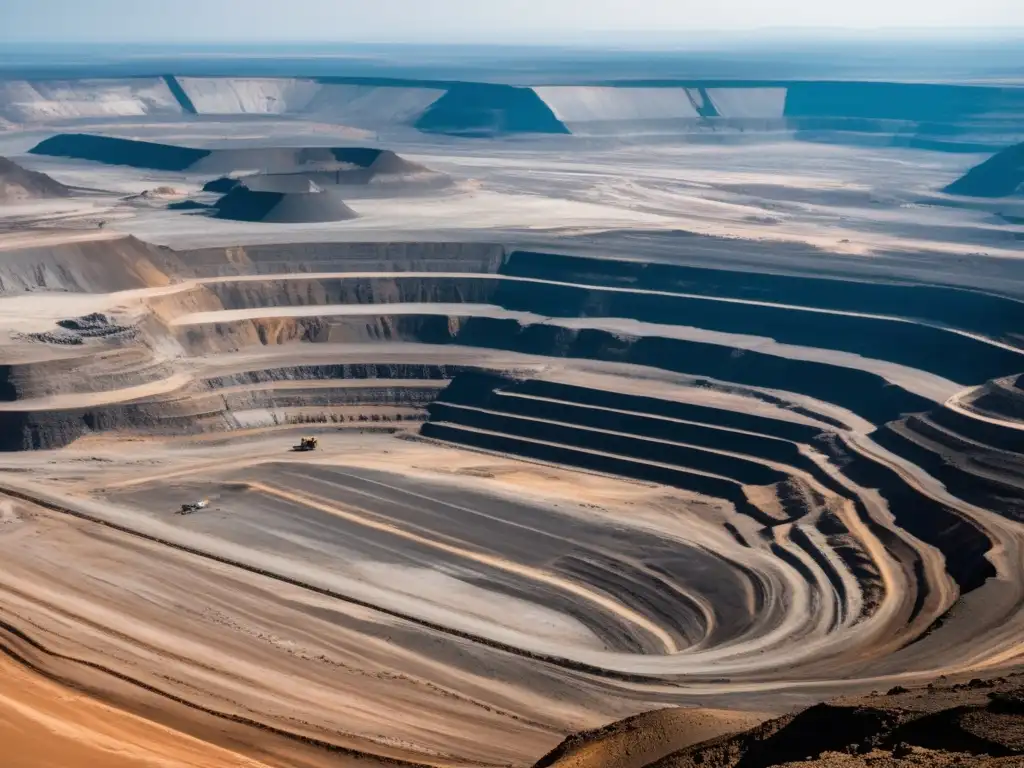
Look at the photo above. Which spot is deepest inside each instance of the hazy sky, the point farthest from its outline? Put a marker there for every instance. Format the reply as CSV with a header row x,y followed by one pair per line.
x,y
473,20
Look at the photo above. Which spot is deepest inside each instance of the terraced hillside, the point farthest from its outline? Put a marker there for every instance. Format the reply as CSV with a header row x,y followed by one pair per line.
x,y
829,418
607,421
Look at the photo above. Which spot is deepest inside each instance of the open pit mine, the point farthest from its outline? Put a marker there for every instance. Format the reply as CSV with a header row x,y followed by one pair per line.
x,y
427,424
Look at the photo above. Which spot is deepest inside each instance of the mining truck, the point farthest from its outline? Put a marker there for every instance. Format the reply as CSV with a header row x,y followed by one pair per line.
x,y
305,444
193,506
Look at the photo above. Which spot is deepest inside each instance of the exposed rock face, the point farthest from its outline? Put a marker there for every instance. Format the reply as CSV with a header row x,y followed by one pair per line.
x,y
90,266
18,184
815,419
48,101
976,725
940,117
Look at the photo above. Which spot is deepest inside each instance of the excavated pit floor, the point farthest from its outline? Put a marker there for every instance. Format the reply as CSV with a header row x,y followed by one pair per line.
x,y
469,590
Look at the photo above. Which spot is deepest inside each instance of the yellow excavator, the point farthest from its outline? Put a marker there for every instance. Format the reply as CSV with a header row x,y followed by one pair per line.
x,y
305,444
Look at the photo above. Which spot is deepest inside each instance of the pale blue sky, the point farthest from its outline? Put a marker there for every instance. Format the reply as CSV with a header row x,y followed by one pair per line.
x,y
430,21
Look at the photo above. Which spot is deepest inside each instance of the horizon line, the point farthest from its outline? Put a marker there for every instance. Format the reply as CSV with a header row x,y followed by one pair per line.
x,y
603,37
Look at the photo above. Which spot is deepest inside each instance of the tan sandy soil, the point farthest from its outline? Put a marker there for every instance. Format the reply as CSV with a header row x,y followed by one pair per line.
x,y
10,241
43,724
221,637
233,648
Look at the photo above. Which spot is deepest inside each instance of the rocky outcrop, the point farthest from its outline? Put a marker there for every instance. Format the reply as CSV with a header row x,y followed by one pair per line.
x,y
976,725
18,184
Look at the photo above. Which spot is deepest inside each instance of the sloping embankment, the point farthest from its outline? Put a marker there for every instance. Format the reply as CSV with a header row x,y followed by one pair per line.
x,y
955,118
